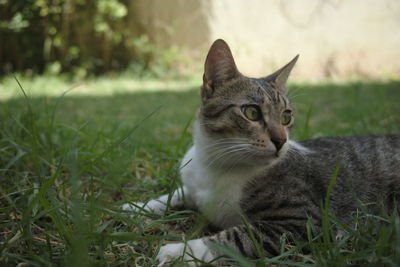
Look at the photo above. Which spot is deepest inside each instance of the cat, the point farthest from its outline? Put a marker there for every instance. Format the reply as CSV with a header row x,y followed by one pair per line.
x,y
243,167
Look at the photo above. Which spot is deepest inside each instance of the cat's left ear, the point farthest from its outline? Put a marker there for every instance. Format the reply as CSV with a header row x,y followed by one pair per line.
x,y
219,68
280,77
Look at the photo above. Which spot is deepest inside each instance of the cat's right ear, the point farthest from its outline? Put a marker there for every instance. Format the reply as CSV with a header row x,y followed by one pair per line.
x,y
280,77
218,68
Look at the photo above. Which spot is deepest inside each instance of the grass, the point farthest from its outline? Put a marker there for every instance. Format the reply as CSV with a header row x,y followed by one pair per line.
x,y
67,163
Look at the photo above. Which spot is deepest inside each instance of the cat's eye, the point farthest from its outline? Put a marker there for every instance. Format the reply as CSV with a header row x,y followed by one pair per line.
x,y
286,117
252,112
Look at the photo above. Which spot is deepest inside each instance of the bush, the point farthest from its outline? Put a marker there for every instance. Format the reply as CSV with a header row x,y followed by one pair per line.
x,y
75,36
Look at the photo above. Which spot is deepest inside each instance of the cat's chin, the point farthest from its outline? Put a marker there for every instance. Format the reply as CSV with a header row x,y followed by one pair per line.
x,y
272,153
265,158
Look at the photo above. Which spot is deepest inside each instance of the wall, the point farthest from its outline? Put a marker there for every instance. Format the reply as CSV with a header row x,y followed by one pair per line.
x,y
334,38
338,39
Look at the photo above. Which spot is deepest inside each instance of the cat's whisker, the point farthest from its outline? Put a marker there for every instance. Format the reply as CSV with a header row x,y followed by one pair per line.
x,y
227,162
229,151
227,140
210,150
224,151
292,152
216,150
234,138
291,97
295,91
242,157
224,143
225,159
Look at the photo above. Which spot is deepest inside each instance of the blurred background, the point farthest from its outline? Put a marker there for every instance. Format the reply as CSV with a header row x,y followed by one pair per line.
x,y
335,38
97,99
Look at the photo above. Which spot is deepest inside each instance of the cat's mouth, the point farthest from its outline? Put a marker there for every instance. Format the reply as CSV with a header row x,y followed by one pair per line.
x,y
268,150
260,144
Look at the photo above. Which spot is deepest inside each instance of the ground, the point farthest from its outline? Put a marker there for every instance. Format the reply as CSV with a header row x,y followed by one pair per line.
x,y
68,161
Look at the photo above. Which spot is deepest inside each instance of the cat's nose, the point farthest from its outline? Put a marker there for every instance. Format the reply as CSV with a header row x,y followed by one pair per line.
x,y
278,142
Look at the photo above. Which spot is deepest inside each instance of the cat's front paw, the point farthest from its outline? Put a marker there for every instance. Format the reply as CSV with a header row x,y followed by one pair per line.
x,y
194,248
153,206
134,207
169,253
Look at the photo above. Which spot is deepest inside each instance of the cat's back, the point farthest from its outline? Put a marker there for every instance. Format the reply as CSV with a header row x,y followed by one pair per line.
x,y
377,155
368,169
380,143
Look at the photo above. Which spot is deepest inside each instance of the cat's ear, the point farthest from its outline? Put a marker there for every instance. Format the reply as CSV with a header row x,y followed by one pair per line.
x,y
280,77
218,68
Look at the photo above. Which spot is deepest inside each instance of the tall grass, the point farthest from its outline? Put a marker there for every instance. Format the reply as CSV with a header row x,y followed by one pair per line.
x,y
59,187
67,163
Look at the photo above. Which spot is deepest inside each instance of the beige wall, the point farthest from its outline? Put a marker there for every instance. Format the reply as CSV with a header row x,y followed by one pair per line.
x,y
174,22
335,38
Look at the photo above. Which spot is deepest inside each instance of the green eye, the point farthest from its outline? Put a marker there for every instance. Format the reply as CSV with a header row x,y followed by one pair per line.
x,y
252,113
286,117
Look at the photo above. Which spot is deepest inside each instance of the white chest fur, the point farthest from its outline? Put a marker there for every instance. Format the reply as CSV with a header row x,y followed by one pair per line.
x,y
215,192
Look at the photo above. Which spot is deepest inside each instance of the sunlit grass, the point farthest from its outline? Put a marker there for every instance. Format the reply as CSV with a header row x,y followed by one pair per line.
x,y
68,162
50,85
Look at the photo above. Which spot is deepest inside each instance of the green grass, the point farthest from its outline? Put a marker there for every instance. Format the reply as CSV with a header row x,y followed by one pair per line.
x,y
67,162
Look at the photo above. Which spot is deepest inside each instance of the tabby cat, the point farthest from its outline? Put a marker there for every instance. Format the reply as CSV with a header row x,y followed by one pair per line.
x,y
243,167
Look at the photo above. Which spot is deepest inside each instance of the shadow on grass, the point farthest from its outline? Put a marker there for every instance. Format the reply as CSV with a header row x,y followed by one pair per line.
x,y
348,109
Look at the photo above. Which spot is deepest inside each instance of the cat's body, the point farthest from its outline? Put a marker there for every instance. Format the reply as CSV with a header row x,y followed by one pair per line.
x,y
369,171
243,172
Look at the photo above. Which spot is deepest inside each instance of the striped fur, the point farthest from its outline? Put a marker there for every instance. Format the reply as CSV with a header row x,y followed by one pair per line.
x,y
256,190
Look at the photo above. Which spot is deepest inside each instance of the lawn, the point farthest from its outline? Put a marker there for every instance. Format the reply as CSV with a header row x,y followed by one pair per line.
x,y
68,161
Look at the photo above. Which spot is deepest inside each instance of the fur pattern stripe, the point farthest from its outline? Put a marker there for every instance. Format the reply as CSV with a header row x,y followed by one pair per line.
x,y
252,182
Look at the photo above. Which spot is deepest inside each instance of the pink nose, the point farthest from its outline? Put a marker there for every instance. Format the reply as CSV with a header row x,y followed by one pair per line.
x,y
278,142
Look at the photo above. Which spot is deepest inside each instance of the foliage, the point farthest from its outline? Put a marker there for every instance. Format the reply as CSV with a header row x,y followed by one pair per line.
x,y
77,36
69,162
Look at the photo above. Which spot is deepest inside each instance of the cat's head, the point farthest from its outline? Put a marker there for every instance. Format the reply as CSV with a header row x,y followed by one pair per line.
x,y
241,116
